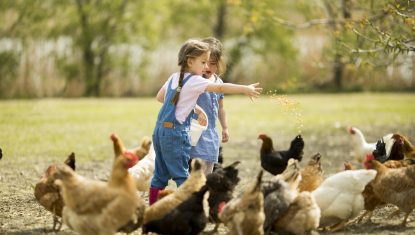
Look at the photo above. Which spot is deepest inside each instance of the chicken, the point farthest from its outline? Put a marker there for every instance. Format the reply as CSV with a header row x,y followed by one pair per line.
x,y
279,193
340,197
311,175
360,147
302,216
119,149
408,148
96,207
140,151
348,166
380,153
186,219
371,201
395,186
274,161
245,215
194,182
143,171
221,184
1,153
47,192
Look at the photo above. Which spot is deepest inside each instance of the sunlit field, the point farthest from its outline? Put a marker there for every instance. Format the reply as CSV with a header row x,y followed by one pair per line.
x,y
35,133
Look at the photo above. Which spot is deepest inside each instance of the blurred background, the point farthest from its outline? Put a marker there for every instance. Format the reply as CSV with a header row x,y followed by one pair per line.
x,y
119,48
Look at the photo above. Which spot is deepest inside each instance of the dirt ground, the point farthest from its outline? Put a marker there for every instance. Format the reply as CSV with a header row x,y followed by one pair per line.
x,y
20,214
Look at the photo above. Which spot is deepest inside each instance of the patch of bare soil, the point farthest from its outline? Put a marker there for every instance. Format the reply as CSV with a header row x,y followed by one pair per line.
x,y
21,214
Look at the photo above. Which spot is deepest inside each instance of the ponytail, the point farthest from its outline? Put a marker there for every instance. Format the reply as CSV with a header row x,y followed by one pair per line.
x,y
175,98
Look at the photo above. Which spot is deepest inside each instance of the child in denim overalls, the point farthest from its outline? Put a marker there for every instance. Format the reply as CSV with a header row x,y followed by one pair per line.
x,y
207,147
179,95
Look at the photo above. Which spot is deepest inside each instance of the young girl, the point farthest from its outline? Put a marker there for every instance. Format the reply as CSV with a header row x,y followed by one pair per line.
x,y
207,147
179,95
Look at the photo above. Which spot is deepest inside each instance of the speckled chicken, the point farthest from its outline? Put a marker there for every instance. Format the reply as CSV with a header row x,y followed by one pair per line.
x,y
279,193
47,192
395,186
245,215
311,175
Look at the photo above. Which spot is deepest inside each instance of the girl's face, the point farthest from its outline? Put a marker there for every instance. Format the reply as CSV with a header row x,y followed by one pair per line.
x,y
212,68
198,65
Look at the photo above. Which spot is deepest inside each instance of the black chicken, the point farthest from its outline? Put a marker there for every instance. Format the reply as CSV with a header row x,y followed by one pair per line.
x,y
1,153
188,218
274,161
221,184
396,153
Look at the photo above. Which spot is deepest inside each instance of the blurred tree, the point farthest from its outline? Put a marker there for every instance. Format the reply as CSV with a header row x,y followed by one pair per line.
x,y
376,32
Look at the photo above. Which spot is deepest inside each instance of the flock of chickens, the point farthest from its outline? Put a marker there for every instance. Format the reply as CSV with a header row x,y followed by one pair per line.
x,y
294,201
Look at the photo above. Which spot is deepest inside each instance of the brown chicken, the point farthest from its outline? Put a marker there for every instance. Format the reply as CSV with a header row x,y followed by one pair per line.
x,y
47,192
119,149
395,186
408,148
245,215
302,216
311,175
96,207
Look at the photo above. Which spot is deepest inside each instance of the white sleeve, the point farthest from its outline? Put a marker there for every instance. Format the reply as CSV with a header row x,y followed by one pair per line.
x,y
198,84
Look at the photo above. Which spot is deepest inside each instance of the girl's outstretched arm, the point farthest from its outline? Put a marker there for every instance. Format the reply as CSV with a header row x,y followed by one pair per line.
x,y
253,90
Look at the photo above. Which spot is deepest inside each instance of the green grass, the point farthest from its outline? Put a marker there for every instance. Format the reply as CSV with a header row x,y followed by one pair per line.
x,y
52,128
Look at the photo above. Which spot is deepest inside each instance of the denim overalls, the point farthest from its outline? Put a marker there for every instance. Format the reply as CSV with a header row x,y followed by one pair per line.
x,y
207,147
171,143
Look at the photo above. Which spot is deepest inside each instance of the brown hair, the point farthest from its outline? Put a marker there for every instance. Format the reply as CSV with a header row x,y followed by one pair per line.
x,y
192,48
216,53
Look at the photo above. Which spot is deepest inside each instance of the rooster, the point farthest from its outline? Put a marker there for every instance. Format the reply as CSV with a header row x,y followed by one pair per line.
x,y
96,207
142,150
361,147
245,215
274,161
186,219
380,153
221,184
47,192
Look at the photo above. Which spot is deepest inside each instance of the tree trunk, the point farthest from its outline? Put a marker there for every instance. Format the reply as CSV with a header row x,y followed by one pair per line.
x,y
219,28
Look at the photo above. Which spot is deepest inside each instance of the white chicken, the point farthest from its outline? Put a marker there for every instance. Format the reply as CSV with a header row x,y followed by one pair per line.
x,y
340,197
143,171
361,148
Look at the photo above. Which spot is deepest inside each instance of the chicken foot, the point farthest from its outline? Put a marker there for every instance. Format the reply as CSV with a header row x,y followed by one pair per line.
x,y
337,226
406,218
360,218
56,222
